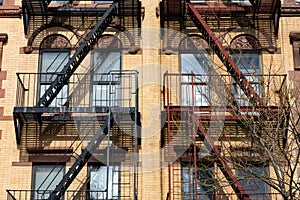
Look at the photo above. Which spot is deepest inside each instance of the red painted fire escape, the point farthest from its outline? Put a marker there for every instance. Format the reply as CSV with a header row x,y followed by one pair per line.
x,y
267,9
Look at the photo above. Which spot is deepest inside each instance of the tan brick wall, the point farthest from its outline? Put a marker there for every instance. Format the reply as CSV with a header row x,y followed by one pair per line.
x,y
153,181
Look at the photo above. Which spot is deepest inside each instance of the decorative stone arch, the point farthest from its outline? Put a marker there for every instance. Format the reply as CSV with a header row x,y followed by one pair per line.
x,y
55,41
108,41
245,42
264,38
193,42
37,36
126,38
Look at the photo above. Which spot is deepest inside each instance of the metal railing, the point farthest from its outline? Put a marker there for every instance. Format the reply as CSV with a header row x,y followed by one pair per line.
x,y
68,195
82,90
210,90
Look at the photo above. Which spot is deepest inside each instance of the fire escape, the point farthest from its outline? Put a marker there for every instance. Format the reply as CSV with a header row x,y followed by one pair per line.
x,y
214,21
107,130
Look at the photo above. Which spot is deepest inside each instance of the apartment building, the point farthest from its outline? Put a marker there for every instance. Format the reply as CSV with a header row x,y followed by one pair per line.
x,y
144,99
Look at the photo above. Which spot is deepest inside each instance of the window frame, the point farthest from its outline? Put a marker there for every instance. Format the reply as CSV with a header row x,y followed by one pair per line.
x,y
111,195
203,193
58,2
254,77
51,166
42,72
246,180
103,2
103,81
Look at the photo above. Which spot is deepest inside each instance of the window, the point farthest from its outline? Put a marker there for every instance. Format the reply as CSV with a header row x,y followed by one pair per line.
x,y
60,2
295,41
54,55
1,2
52,62
297,1
255,187
103,2
45,179
103,182
239,1
199,90
247,56
205,182
197,1
194,59
106,60
249,64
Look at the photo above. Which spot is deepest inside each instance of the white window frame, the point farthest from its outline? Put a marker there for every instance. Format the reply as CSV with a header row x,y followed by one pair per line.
x,y
57,61
200,90
105,88
99,186
45,177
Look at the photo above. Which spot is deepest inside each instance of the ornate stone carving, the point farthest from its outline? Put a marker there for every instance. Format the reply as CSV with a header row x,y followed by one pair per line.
x,y
189,43
245,42
108,42
55,41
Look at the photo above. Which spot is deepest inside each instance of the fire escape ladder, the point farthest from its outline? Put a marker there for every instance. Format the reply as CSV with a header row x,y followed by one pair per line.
x,y
80,162
78,57
224,56
225,168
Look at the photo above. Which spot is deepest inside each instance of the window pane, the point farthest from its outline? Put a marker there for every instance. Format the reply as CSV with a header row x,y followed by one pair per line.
x,y
1,2
52,63
256,188
249,64
104,62
60,2
239,1
197,64
205,183
103,2
104,85
100,186
46,177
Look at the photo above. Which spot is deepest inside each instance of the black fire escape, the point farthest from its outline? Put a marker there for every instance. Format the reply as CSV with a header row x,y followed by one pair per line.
x,y
37,13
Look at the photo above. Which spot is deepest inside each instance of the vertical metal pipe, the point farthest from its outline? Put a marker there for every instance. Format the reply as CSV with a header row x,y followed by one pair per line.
x,y
135,137
108,136
168,133
194,138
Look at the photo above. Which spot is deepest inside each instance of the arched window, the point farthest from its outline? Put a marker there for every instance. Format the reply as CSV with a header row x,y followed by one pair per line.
x,y
106,57
54,55
194,67
246,53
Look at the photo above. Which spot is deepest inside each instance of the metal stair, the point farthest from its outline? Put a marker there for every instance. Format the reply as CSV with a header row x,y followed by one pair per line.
x,y
230,176
80,162
224,56
78,57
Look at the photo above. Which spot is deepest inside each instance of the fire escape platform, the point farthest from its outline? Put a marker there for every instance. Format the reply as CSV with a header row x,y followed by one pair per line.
x,y
41,114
